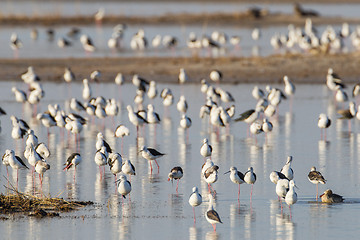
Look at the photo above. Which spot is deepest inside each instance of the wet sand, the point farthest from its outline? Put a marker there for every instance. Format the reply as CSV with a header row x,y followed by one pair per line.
x,y
309,69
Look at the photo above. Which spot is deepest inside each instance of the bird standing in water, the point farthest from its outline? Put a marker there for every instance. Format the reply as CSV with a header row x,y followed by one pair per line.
x,y
316,177
195,199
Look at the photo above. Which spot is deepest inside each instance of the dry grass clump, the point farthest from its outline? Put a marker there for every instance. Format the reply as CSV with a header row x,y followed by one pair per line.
x,y
18,202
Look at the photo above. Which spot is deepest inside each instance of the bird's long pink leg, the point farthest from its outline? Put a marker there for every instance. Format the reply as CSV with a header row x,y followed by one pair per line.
x,y
157,165
194,215
177,185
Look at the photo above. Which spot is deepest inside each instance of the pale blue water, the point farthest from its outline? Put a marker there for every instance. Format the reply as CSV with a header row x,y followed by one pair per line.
x,y
155,211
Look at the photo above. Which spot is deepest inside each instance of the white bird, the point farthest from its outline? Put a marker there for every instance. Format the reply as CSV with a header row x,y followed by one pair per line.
x,y
183,77
86,93
211,175
31,155
255,34
216,75
128,168
69,76
76,105
151,154
73,160
152,92
31,138
275,176
287,170
185,122
20,96
135,118
121,131
124,186
15,162
101,159
43,150
206,149
257,93
41,167
211,215
323,123
15,42
289,86
250,178
176,173
182,105
119,79
291,196
115,163
195,200
282,187
152,116
236,177
87,43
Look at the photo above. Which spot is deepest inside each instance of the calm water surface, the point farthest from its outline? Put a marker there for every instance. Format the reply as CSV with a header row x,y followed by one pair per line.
x,y
45,48
155,210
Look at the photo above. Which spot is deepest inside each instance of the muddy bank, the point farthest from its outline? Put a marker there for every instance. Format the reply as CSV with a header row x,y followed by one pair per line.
x,y
250,18
302,69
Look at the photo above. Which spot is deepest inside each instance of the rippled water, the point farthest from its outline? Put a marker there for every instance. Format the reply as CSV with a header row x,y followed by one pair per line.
x,y
155,210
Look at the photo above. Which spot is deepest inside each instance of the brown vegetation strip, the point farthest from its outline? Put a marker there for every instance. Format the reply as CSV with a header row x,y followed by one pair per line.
x,y
300,68
246,19
35,206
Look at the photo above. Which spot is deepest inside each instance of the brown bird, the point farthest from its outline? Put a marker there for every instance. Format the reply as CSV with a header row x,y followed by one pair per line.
x,y
316,177
329,197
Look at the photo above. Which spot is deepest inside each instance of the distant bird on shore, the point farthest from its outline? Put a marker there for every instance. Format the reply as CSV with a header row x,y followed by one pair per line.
x,y
216,76
69,76
87,43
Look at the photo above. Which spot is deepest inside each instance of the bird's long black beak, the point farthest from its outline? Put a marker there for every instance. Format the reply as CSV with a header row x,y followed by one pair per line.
x,y
226,172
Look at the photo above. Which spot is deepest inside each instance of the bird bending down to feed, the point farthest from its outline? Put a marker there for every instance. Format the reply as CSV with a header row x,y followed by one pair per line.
x,y
175,173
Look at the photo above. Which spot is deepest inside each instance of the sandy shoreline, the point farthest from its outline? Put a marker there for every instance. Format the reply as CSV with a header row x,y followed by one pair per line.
x,y
310,69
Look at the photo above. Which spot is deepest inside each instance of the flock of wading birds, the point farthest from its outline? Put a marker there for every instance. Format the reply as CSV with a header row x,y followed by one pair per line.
x,y
36,153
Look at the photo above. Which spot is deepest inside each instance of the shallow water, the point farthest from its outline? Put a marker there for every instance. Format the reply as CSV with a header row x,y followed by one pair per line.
x,y
45,48
155,209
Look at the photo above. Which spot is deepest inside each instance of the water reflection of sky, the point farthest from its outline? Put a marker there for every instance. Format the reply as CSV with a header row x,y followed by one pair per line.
x,y
45,48
154,206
